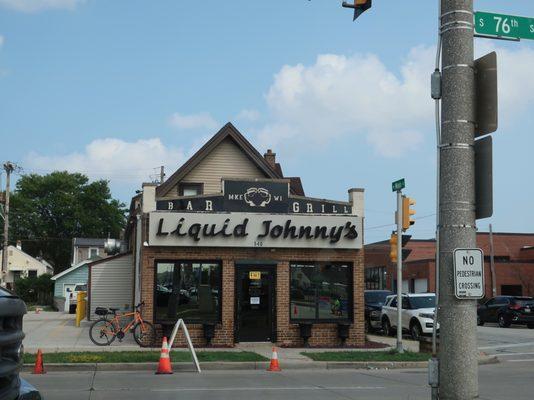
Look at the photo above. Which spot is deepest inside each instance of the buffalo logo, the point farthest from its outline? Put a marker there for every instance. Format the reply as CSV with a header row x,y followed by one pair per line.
x,y
257,197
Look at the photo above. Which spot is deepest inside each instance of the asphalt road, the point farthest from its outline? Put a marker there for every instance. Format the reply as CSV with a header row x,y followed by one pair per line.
x,y
511,378
496,383
515,342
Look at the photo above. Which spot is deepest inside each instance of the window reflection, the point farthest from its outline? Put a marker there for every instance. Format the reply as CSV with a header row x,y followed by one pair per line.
x,y
321,291
188,290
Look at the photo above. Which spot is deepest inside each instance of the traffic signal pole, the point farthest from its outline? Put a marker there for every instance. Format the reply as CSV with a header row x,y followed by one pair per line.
x,y
399,272
458,366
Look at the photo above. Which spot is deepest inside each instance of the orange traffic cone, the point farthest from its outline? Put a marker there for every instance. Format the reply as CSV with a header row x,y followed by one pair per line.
x,y
274,367
38,369
164,366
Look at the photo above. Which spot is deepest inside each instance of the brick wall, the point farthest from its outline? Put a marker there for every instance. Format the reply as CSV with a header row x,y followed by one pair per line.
x,y
287,332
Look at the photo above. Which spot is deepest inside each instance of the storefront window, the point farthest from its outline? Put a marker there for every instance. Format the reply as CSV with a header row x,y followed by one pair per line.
x,y
188,290
321,292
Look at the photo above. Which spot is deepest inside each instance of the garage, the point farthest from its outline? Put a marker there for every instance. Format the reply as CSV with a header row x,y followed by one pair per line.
x,y
111,283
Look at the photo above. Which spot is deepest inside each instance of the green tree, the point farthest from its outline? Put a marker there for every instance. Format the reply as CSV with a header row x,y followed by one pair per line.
x,y
48,211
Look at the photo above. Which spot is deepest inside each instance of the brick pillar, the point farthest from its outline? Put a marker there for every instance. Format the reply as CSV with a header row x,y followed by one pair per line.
x,y
357,334
225,335
282,303
147,287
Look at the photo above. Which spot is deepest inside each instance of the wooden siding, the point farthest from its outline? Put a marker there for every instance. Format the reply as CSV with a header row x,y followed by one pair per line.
x,y
77,276
112,284
225,161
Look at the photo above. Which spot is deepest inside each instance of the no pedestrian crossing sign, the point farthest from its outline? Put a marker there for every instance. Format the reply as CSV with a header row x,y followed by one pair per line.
x,y
468,273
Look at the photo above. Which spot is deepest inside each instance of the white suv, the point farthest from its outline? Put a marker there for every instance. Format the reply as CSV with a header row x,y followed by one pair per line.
x,y
417,314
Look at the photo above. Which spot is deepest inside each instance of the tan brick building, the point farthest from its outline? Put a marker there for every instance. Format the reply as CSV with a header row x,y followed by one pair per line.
x,y
234,248
513,260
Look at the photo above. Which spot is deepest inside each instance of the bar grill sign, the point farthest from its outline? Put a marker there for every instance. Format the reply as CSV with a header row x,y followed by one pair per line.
x,y
468,273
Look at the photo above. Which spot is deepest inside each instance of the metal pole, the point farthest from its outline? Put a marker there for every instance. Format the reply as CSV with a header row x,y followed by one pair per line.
x,y
492,263
8,167
399,272
458,367
161,174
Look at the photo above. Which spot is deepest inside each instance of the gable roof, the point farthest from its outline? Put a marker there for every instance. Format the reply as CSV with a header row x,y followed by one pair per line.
x,y
42,261
227,131
73,268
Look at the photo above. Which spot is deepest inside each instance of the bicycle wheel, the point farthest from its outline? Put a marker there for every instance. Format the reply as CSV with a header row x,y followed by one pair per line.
x,y
102,332
144,334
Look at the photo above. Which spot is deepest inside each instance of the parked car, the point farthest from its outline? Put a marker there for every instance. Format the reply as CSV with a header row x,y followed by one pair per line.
x,y
12,309
374,300
417,314
73,296
507,310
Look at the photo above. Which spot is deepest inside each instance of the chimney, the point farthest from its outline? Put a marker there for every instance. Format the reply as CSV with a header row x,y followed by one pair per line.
x,y
270,157
19,245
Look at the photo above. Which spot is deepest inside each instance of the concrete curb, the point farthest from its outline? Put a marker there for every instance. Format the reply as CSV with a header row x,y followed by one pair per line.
x,y
240,366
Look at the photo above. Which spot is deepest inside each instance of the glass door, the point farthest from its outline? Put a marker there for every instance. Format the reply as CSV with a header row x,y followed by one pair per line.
x,y
255,304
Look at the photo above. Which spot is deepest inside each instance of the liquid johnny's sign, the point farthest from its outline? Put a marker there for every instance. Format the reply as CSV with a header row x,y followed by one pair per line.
x,y
255,230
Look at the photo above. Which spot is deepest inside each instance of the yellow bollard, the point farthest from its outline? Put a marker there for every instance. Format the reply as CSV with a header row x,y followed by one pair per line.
x,y
81,307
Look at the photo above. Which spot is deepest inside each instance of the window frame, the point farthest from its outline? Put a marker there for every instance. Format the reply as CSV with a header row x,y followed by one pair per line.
x,y
350,313
93,248
217,320
197,185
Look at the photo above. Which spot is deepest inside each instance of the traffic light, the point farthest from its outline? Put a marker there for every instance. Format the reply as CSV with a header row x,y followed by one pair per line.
x,y
407,213
393,248
360,6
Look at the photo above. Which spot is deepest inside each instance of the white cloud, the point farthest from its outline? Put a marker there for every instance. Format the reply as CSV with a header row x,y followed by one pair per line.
x,y
356,95
1,40
339,96
248,115
193,121
39,5
113,159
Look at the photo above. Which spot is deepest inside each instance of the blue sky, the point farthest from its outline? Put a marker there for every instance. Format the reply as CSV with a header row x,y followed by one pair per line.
x,y
117,88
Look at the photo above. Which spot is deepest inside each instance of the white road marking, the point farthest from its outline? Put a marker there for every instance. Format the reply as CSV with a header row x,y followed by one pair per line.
x,y
503,346
513,354
525,360
270,388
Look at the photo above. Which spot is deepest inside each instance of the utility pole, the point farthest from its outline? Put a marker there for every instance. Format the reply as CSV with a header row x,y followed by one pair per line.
x,y
400,349
161,174
458,358
8,167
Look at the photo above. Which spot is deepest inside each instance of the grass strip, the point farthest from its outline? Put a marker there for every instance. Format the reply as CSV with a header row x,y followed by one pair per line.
x,y
366,356
142,356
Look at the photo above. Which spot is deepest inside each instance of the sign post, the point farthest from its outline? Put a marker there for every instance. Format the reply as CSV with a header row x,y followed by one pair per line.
x,y
501,26
397,186
468,273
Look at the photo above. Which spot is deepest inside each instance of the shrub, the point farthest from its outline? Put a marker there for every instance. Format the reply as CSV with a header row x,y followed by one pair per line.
x,y
36,290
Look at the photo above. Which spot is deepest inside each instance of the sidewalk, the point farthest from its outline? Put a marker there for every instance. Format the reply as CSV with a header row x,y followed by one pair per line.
x,y
55,332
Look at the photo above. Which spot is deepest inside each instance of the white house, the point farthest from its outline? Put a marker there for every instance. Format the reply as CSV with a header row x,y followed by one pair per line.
x,y
21,264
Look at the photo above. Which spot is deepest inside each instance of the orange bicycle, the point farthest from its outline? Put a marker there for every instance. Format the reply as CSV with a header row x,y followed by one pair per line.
x,y
104,331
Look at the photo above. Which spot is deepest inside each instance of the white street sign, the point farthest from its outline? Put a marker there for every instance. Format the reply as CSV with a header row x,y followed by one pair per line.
x,y
468,273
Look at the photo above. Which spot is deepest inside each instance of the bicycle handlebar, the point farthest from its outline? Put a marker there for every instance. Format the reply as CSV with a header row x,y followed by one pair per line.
x,y
140,305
